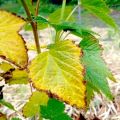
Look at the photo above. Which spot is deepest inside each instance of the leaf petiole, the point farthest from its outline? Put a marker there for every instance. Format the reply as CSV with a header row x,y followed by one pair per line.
x,y
33,24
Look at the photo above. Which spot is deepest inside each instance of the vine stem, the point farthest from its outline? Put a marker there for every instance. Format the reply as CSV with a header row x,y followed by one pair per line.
x,y
71,13
61,19
63,10
33,24
37,8
79,12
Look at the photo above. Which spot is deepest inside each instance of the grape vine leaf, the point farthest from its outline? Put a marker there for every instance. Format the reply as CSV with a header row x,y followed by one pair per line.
x,y
96,70
11,43
31,108
59,71
99,9
54,110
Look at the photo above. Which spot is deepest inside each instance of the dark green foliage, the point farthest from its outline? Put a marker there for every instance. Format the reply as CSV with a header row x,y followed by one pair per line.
x,y
54,110
12,6
74,28
47,7
113,3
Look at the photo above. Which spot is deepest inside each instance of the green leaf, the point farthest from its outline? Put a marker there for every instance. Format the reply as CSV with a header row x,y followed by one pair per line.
x,y
31,108
89,93
100,4
55,16
96,70
42,23
11,43
17,77
40,26
30,6
74,28
99,9
41,19
54,110
59,71
90,89
15,119
7,104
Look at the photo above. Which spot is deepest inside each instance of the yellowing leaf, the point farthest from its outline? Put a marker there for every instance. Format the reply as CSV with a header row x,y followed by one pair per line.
x,y
17,77
2,116
4,67
32,107
12,46
59,71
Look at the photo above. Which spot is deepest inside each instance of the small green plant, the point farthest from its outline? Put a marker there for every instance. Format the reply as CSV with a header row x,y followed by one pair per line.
x,y
65,72
113,3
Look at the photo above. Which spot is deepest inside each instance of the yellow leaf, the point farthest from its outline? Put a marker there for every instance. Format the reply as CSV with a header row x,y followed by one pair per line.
x,y
5,67
17,77
2,116
59,71
12,46
32,107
